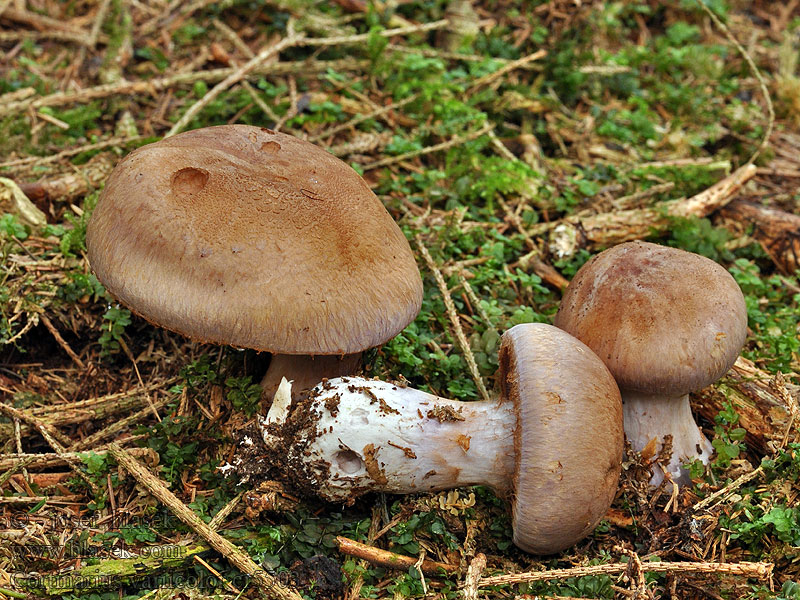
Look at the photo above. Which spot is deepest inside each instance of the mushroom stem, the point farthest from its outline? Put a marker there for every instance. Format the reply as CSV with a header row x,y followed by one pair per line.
x,y
305,371
648,416
355,435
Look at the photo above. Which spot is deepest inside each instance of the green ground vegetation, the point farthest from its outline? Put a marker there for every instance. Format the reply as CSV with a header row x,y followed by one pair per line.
x,y
626,98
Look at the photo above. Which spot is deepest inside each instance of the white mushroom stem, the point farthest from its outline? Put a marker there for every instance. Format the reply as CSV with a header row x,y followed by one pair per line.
x,y
649,416
357,435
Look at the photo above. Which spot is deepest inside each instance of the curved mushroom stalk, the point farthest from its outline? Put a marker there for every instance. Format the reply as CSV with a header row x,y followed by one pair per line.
x,y
552,443
305,371
649,416
357,435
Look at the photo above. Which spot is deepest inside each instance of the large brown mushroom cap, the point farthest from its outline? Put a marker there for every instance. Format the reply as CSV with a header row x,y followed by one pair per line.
x,y
664,320
569,436
244,236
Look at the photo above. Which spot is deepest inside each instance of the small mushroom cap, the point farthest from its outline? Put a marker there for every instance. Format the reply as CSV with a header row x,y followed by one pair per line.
x,y
664,320
569,436
244,236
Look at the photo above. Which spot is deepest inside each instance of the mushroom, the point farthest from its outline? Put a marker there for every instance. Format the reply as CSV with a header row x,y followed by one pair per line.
x,y
551,444
666,322
245,236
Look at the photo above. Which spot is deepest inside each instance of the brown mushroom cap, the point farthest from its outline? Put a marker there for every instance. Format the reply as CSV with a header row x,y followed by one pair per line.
x,y
569,436
664,320
241,235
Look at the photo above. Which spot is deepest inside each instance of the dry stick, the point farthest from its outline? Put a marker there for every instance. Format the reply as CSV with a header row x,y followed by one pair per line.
x,y
19,94
67,499
51,459
391,560
488,78
363,37
61,341
57,441
571,233
454,320
234,77
762,570
355,587
161,19
778,385
791,424
41,160
362,143
218,575
53,120
96,408
76,464
117,426
540,597
18,442
42,22
50,34
473,297
635,573
142,386
102,12
534,257
11,469
429,52
244,49
234,38
268,584
750,63
225,512
443,146
473,576
287,42
776,231
501,147
418,567
153,86
14,413
709,162
624,202
715,197
361,118
734,485
65,187
763,413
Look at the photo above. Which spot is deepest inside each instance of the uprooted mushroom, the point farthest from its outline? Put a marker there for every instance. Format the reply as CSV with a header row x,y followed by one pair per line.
x,y
245,236
666,322
551,444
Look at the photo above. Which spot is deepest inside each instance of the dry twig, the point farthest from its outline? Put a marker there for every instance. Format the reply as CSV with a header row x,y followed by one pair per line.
x,y
268,584
390,560
760,570
756,72
61,341
473,576
456,141
454,320
606,229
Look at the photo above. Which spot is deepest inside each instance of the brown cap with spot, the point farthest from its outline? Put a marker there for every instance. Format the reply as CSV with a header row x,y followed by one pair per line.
x,y
569,436
244,236
664,320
